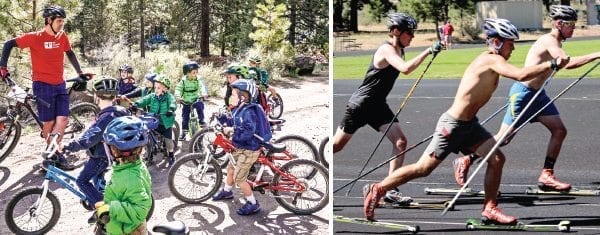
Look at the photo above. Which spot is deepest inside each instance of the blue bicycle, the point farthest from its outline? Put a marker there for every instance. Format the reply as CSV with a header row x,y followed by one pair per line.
x,y
36,210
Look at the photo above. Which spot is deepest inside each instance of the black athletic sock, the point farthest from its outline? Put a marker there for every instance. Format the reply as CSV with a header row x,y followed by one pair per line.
x,y
549,163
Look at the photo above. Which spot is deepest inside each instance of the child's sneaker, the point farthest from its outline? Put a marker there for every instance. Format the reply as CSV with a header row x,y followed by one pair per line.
x,y
249,208
222,195
170,159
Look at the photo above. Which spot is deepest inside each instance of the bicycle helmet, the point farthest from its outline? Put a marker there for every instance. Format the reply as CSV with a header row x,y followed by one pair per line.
x,y
161,78
189,66
240,70
106,85
562,12
126,67
501,28
402,21
255,59
150,77
126,133
246,86
53,12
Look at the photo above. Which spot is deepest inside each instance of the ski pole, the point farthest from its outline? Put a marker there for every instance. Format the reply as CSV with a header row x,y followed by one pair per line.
x,y
408,149
498,143
552,101
412,89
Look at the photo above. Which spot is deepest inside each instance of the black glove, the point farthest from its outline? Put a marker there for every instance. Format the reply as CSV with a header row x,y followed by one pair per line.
x,y
169,113
133,109
4,72
553,64
436,48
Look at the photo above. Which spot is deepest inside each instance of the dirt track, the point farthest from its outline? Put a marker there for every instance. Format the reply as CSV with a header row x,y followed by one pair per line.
x,y
306,112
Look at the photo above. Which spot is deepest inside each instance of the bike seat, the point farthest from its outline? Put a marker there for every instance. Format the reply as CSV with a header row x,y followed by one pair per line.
x,y
77,79
277,147
276,122
173,228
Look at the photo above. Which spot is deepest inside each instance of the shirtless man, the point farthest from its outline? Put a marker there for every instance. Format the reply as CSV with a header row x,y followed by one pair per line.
x,y
548,46
368,103
458,128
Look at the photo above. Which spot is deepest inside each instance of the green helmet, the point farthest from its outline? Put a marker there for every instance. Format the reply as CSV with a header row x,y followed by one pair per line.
x,y
238,69
161,78
255,59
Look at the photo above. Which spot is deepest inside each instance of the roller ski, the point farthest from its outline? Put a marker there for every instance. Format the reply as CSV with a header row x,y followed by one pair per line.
x,y
573,191
395,226
485,224
411,204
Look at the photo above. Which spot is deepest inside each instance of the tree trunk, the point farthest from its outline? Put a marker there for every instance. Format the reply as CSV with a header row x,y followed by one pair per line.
x,y
205,28
353,16
292,34
142,46
338,20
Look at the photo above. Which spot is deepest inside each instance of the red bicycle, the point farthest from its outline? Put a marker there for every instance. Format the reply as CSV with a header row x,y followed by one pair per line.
x,y
300,186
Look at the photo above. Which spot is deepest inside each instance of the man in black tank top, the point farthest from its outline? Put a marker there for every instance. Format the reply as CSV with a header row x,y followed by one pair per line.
x,y
368,103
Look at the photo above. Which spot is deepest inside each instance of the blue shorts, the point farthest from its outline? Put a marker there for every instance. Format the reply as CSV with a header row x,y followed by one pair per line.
x,y
519,96
52,100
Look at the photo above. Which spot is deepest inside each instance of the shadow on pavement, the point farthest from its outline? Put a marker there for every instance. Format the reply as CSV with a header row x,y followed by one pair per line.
x,y
5,174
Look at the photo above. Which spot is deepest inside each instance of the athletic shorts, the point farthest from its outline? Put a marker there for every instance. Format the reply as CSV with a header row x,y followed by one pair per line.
x,y
356,116
452,136
244,159
518,97
52,100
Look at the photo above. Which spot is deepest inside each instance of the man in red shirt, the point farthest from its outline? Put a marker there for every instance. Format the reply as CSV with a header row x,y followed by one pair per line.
x,y
47,48
447,30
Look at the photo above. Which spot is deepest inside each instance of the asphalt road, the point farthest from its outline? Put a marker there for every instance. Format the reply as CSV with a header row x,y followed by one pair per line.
x,y
578,162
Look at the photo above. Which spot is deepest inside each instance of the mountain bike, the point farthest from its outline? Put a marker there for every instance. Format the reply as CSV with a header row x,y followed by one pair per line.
x,y
81,115
298,145
36,210
156,141
193,124
300,186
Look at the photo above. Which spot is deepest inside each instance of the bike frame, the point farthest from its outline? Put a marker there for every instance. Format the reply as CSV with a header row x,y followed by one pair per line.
x,y
265,160
57,175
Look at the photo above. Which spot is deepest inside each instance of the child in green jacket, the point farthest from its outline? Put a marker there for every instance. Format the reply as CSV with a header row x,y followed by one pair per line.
x,y
162,103
189,93
128,195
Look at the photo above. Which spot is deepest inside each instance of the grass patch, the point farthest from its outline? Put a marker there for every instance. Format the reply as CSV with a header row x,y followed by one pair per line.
x,y
452,63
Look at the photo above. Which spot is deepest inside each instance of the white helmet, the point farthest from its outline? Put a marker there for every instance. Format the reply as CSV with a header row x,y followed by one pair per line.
x,y
563,12
500,28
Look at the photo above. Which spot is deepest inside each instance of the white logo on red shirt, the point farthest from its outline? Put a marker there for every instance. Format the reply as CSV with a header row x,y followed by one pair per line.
x,y
51,45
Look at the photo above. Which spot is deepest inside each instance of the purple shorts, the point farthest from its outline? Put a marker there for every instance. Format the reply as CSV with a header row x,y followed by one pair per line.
x,y
52,100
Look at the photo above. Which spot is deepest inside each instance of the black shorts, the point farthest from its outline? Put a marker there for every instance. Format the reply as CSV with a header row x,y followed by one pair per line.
x,y
356,116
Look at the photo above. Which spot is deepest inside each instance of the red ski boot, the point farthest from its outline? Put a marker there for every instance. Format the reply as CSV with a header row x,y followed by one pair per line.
x,y
372,194
548,182
493,215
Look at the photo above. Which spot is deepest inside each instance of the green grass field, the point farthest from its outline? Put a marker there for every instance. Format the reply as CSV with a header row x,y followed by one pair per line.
x,y
452,63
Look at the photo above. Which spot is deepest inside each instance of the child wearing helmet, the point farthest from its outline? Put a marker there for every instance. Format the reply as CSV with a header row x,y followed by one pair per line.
x,y
233,72
547,47
190,91
126,81
261,76
249,121
162,103
458,128
105,90
128,196
142,91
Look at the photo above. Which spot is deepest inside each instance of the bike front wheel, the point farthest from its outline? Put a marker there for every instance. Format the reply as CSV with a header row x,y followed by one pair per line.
x,y
204,139
306,191
23,216
276,103
192,181
10,133
82,116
